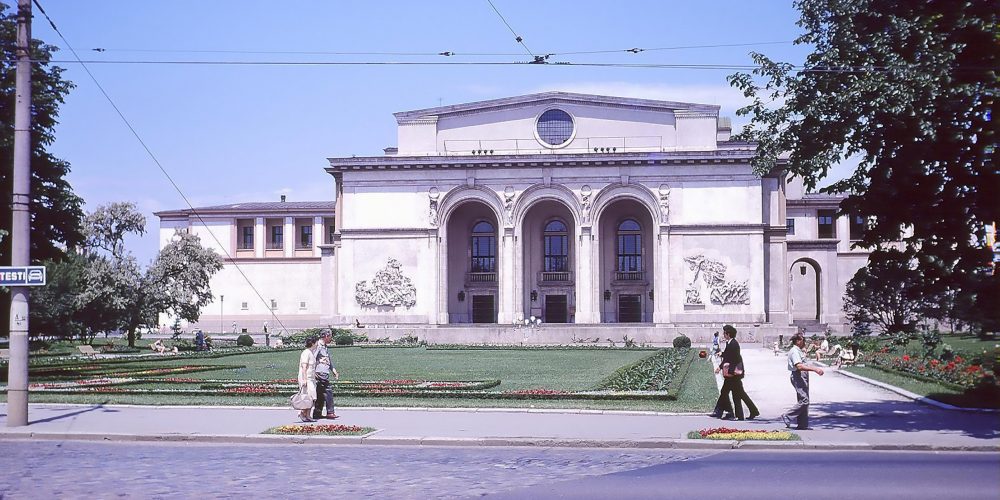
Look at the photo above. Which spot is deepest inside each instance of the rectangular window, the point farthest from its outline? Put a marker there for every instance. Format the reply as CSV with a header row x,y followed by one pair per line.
x,y
331,229
556,253
277,241
825,220
274,304
244,234
857,227
484,257
302,305
790,224
305,237
244,306
629,253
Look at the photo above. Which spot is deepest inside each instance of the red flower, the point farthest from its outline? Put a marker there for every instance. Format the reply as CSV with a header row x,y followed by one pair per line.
x,y
906,357
958,359
935,362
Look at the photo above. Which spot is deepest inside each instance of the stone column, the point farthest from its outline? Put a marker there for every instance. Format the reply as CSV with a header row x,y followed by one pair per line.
x,y
328,282
289,236
442,269
259,237
506,279
317,236
586,308
661,276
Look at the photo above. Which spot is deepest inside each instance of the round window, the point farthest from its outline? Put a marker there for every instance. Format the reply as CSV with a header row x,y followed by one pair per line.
x,y
555,127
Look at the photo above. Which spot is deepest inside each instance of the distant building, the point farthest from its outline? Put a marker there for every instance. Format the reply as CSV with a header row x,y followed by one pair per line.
x,y
571,208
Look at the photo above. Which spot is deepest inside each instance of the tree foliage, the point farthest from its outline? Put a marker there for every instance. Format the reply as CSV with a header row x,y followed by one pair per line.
x,y
888,294
908,88
103,288
56,212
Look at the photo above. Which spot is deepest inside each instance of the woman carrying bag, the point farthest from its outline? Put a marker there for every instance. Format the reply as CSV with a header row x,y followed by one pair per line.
x,y
303,401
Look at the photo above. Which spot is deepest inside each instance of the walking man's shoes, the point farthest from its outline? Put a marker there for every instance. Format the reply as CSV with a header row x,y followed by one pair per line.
x,y
788,421
331,416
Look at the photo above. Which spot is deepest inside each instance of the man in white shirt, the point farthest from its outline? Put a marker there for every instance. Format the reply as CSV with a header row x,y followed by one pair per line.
x,y
324,389
800,381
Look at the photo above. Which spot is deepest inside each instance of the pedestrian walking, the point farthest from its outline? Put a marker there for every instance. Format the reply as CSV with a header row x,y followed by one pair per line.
x,y
324,389
733,372
307,375
797,365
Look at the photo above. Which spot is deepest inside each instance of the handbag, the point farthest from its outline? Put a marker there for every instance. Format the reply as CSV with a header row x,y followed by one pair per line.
x,y
301,400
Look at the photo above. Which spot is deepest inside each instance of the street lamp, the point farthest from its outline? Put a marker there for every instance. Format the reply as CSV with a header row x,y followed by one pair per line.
x,y
222,312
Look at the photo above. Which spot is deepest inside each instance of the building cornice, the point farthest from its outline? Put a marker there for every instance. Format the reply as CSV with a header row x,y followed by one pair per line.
x,y
715,156
824,244
405,117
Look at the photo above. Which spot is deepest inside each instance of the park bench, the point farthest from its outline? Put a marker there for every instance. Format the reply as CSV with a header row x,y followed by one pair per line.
x,y
87,350
4,353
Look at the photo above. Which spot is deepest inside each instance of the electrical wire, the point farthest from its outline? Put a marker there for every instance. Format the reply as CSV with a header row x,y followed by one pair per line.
x,y
158,164
517,37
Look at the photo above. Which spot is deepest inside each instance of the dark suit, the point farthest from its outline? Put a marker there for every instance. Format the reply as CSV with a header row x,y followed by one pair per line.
x,y
734,384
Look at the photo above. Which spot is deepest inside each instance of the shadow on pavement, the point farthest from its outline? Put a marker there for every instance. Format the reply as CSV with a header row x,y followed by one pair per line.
x,y
99,407
902,416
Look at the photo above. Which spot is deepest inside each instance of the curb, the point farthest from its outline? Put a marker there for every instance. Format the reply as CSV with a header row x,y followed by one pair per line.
x,y
915,397
372,440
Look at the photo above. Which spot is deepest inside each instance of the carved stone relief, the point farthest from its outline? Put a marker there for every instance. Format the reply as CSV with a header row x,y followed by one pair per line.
x,y
585,203
389,288
712,274
664,203
432,197
508,204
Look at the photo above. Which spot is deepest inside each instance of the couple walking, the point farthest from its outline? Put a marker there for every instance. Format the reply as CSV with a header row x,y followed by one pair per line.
x,y
315,367
732,370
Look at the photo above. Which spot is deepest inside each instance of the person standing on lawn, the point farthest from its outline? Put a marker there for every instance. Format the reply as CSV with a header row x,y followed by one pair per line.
x,y
800,381
324,389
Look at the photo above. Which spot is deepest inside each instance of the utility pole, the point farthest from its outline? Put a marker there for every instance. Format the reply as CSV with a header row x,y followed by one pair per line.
x,y
20,241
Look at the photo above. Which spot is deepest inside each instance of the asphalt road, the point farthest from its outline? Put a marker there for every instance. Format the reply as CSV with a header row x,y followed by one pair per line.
x,y
79,469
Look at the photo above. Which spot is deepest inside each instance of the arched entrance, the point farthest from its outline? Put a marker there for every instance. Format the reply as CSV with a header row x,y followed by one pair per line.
x,y
473,263
626,258
548,232
805,290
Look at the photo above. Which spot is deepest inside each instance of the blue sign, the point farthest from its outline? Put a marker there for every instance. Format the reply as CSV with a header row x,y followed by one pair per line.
x,y
22,276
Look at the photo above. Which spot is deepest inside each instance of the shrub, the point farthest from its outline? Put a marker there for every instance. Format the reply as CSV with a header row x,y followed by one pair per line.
x,y
244,341
682,342
344,339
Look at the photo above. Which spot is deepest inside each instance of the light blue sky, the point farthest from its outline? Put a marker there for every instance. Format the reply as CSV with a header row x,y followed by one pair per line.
x,y
231,133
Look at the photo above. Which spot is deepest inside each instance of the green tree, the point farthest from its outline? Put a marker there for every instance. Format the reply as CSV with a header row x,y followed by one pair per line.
x,y
908,88
887,294
179,277
55,307
56,212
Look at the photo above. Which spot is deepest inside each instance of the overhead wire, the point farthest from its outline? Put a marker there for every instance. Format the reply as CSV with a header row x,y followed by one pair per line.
x,y
517,37
177,188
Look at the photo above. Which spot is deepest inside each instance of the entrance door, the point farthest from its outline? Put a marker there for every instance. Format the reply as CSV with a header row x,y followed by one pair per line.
x,y
555,309
483,310
629,308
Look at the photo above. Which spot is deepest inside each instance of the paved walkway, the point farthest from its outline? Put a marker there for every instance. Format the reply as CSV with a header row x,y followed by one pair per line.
x,y
846,414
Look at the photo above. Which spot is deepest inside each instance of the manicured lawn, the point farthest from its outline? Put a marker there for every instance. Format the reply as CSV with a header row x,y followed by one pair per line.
x,y
560,370
937,392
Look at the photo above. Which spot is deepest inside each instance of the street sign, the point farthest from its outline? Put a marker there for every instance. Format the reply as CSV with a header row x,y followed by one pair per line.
x,y
22,276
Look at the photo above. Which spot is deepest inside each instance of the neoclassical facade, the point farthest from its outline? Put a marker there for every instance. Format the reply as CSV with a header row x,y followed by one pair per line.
x,y
578,209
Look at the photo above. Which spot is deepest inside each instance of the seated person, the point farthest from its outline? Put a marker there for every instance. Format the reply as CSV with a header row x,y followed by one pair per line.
x,y
158,346
357,323
847,357
823,349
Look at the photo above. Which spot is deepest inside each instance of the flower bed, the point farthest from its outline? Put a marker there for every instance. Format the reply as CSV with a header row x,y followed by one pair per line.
x,y
664,370
513,347
320,430
726,433
958,372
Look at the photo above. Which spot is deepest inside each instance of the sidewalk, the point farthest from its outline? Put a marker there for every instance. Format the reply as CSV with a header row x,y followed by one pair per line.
x,y
846,414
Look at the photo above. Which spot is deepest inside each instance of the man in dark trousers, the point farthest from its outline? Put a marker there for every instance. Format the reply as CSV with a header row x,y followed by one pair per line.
x,y
732,372
324,367
800,381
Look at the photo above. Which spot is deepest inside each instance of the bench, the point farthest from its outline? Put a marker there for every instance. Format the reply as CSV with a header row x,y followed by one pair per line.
x,y
4,353
87,350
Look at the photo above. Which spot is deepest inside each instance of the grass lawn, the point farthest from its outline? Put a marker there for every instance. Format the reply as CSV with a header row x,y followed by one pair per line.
x,y
937,392
561,370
